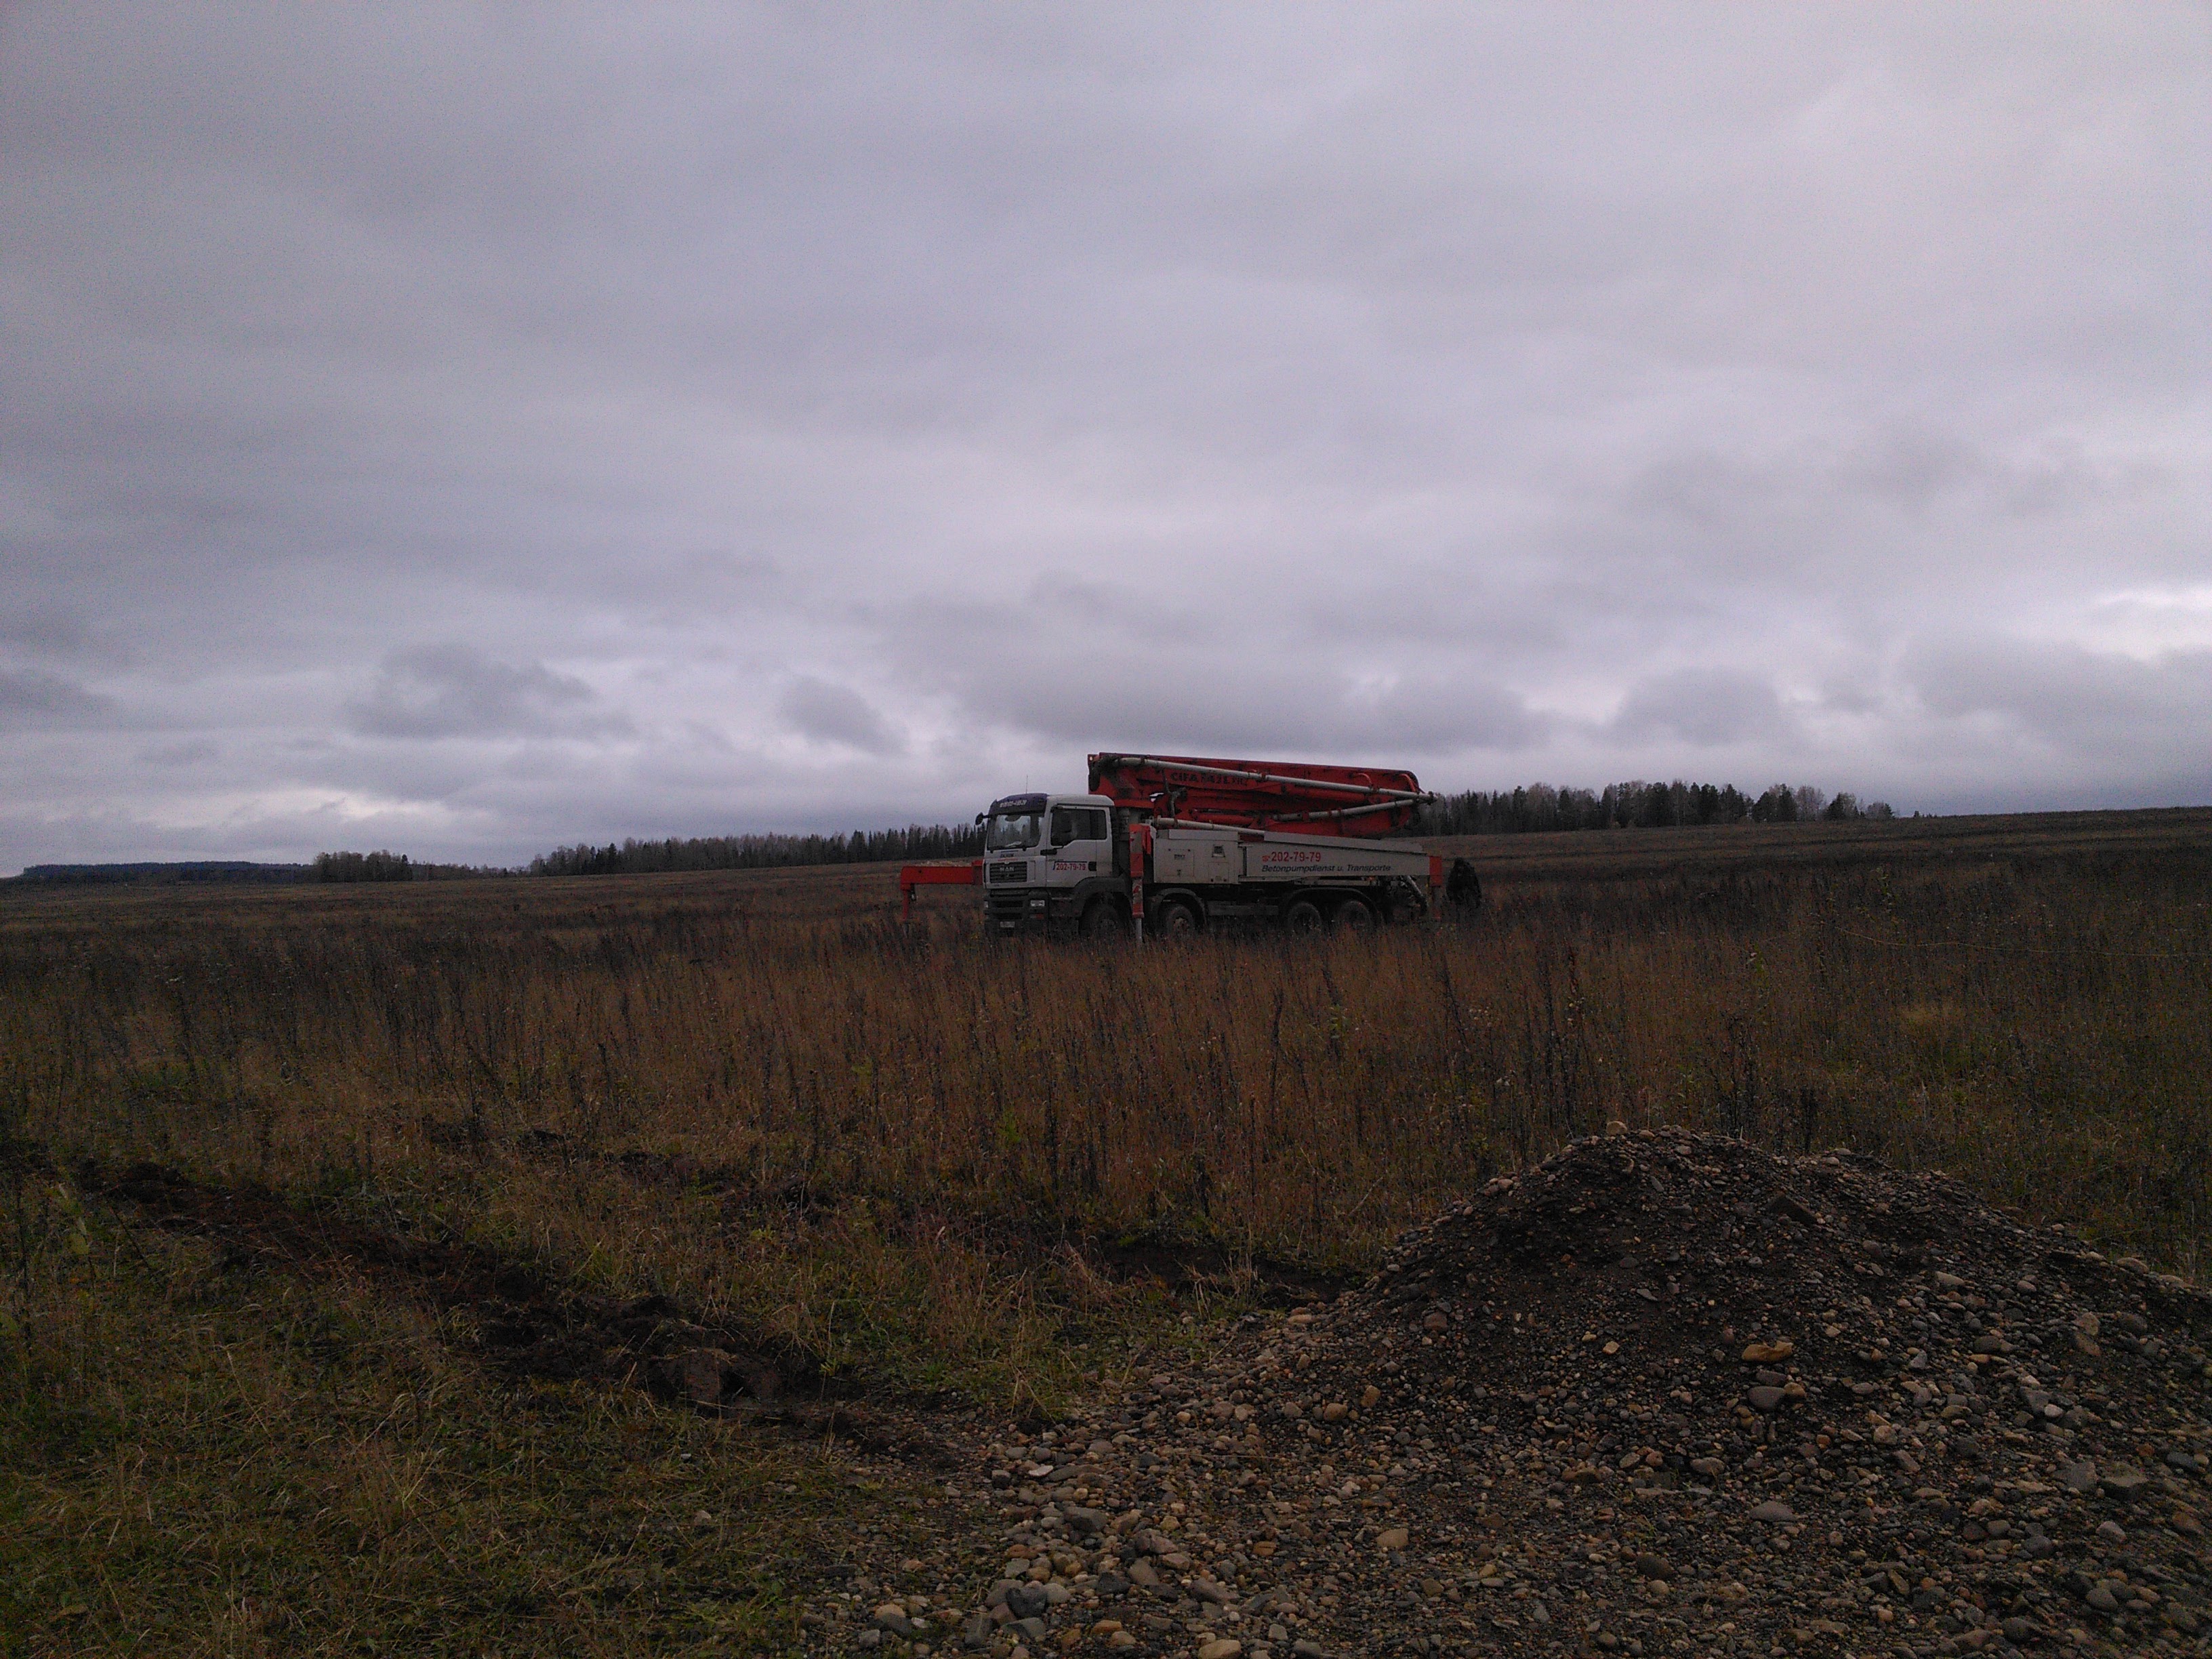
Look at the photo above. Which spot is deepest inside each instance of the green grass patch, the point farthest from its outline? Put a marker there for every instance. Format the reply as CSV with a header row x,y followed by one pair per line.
x,y
201,1461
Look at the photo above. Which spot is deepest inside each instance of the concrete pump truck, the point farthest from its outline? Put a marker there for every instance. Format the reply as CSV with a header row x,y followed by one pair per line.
x,y
1173,846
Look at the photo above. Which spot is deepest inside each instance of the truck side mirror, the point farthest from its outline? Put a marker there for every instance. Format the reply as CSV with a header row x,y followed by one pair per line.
x,y
979,816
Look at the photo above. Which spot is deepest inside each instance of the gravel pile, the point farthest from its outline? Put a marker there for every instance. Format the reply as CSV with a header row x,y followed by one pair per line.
x,y
1664,1394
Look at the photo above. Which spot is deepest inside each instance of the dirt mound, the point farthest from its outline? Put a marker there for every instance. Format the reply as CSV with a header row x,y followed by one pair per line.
x,y
1663,1394
1865,1390
1686,1253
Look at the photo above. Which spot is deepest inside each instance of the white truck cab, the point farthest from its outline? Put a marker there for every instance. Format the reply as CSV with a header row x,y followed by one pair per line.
x,y
1049,860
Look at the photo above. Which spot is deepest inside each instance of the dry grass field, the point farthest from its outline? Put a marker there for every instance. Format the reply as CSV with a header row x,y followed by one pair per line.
x,y
279,1162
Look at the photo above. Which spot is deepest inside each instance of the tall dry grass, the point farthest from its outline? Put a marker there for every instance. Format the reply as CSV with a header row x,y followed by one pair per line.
x,y
2042,1027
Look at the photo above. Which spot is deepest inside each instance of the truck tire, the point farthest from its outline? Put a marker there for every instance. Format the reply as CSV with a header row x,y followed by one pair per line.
x,y
1303,915
1104,919
1352,915
1176,919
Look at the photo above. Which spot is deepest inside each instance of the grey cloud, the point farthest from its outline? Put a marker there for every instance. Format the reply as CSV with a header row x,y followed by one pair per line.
x,y
1908,468
1847,695
196,752
1436,715
44,631
457,691
30,698
1914,467
2081,702
1101,675
1821,497
1706,707
838,714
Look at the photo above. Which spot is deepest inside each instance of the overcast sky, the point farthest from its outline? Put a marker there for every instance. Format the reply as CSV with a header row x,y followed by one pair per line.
x,y
469,430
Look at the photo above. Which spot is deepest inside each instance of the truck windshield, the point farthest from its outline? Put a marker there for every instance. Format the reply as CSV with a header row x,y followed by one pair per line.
x,y
1007,830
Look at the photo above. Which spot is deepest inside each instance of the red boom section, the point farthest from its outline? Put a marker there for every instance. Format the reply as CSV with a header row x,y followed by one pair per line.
x,y
966,873
1315,800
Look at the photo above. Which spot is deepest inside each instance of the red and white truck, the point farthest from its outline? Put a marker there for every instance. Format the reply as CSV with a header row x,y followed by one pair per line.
x,y
1175,845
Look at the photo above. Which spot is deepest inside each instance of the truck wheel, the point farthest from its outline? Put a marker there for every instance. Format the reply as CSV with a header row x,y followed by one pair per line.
x,y
1302,917
1103,919
1176,920
1353,915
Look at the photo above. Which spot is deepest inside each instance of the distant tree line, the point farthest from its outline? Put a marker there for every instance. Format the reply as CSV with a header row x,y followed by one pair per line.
x,y
364,866
761,852
381,866
1537,807
185,872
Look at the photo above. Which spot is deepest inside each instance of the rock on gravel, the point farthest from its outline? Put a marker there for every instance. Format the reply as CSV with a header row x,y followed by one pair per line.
x,y
1663,1394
